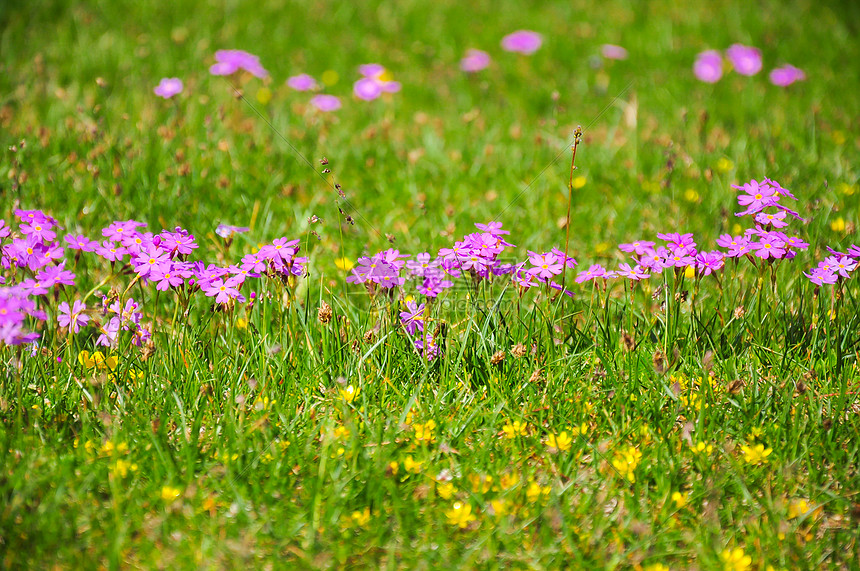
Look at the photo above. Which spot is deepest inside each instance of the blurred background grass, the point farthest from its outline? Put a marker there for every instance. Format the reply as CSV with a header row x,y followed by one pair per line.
x,y
660,147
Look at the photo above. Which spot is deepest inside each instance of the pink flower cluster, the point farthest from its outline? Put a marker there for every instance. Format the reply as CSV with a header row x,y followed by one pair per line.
x,y
745,60
36,262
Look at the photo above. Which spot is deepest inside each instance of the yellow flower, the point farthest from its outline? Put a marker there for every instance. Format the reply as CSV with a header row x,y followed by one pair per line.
x,y
169,494
756,454
329,77
560,442
691,195
798,508
349,393
700,447
121,468
460,515
86,360
626,461
655,567
411,465
499,507
725,165
393,468
361,518
838,225
515,428
535,491
579,182
424,432
241,323
679,499
264,95
344,264
482,484
735,560
579,430
341,432
445,490
508,481
847,189
690,272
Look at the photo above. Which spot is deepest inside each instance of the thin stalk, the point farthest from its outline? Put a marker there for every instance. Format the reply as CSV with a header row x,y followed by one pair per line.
x,y
577,136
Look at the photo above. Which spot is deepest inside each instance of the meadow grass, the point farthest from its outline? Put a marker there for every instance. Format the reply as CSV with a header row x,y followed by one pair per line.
x,y
689,422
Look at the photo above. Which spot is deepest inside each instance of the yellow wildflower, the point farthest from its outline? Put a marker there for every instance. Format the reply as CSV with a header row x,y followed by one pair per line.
x,y
655,567
700,447
626,461
735,560
679,499
460,515
515,428
725,165
838,225
499,507
798,508
424,432
361,518
411,465
756,454
445,490
508,481
535,491
344,264
169,494
560,442
121,468
579,182
349,393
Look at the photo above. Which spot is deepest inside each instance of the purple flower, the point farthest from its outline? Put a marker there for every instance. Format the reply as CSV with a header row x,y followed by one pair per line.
x,y
545,266
474,61
777,220
423,265
681,257
4,228
759,195
494,228
40,230
179,242
595,271
796,243
367,89
655,260
625,271
302,82
639,247
227,231
168,87
522,41
145,261
81,242
167,275
708,66
223,291
120,229
53,275
427,347
737,245
786,75
74,317
745,59
413,318
854,251
842,265
770,245
325,103
229,62
371,69
708,262
677,240
111,252
821,276
109,333
610,51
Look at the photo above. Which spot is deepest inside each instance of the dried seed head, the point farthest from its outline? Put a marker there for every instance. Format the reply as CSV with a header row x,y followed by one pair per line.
x,y
627,342
324,313
518,350
368,336
740,312
658,360
535,376
735,386
800,387
497,358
